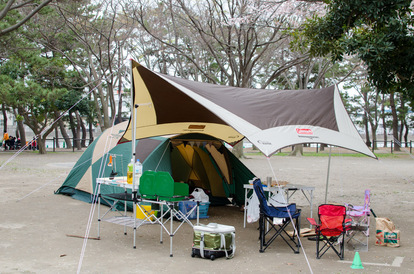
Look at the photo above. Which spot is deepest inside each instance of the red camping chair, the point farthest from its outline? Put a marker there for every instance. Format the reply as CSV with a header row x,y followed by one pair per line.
x,y
357,235
331,230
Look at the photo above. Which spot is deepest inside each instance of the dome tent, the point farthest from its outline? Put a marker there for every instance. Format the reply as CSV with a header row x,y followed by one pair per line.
x,y
197,159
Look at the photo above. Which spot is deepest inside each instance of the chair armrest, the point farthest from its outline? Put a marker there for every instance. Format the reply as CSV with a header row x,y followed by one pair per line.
x,y
312,221
347,224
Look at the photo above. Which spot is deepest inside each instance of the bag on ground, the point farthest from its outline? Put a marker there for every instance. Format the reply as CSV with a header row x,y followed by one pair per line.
x,y
386,234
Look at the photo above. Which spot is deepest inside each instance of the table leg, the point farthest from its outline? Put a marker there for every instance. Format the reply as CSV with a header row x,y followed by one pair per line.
x,y
245,207
171,230
125,213
162,221
99,210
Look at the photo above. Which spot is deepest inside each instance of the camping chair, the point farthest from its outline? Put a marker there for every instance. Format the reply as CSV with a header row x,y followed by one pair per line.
x,y
331,230
289,214
357,235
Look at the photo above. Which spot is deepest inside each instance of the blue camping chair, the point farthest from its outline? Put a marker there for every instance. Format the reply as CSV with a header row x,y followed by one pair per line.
x,y
290,215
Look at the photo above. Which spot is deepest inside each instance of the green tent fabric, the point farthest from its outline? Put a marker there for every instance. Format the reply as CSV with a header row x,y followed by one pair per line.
x,y
159,154
81,181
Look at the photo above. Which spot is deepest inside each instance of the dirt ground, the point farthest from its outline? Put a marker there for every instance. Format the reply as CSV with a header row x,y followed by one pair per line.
x,y
35,223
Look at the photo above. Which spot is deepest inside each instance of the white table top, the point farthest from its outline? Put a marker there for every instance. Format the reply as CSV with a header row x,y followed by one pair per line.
x,y
120,181
284,187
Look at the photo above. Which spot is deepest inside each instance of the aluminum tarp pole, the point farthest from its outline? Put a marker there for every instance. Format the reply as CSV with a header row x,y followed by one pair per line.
x,y
327,176
134,124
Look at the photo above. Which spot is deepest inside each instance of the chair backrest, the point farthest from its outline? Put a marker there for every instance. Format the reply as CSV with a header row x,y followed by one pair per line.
x,y
258,189
279,212
367,201
332,218
146,184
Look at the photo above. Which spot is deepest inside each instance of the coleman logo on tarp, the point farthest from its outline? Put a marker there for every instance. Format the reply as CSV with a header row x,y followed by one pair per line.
x,y
305,131
262,142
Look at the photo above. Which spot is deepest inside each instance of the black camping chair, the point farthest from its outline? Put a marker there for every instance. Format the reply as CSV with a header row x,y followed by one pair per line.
x,y
289,213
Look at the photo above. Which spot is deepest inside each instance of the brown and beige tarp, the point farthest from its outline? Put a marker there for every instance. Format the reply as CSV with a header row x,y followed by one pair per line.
x,y
269,119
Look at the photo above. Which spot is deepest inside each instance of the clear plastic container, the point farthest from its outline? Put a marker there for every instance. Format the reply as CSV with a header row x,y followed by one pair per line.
x,y
138,169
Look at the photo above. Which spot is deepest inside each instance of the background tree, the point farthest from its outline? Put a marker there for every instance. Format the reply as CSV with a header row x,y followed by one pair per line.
x,y
379,33
99,32
14,14
236,43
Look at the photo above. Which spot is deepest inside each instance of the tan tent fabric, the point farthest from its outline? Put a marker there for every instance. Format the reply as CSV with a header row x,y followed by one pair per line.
x,y
85,183
181,169
214,179
220,161
108,140
187,152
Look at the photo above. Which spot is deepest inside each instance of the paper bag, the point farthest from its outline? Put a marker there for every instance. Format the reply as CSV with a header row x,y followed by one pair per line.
x,y
386,234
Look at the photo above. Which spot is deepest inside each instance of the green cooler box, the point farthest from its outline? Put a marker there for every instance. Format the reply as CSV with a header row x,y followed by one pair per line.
x,y
213,241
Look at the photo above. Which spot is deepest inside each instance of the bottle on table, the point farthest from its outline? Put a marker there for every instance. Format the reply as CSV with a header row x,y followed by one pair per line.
x,y
138,170
130,172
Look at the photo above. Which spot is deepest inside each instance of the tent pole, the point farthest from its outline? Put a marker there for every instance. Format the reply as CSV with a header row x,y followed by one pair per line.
x,y
327,176
134,123
134,134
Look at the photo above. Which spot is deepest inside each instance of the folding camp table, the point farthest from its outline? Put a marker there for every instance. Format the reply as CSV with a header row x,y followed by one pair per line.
x,y
289,190
168,210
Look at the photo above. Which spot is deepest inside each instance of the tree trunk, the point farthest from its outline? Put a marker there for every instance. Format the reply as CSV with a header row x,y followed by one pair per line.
x,y
90,125
62,128
367,138
394,122
402,115
383,120
20,127
78,131
374,136
41,143
238,150
57,138
3,109
365,120
72,128
119,117
82,124
297,151
406,133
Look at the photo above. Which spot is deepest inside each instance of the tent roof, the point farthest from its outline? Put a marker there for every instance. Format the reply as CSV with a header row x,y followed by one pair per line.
x,y
270,119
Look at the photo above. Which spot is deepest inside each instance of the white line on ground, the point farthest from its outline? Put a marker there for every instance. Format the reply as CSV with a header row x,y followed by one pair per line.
x,y
396,263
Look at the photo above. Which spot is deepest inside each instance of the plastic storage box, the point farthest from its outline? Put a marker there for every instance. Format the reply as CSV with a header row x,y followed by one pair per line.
x,y
186,206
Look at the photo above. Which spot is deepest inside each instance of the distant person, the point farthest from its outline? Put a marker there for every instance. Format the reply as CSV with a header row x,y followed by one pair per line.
x,y
5,139
18,144
12,140
34,144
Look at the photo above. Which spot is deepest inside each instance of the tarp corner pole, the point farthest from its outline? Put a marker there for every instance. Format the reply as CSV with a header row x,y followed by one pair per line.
x,y
134,124
327,175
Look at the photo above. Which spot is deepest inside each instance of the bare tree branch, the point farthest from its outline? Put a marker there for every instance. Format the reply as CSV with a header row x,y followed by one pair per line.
x,y
20,23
